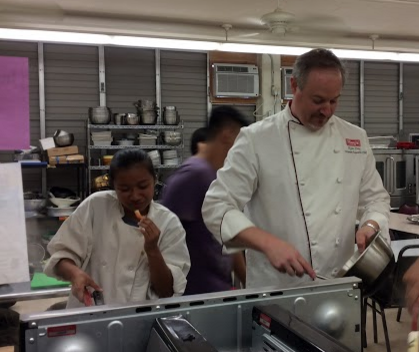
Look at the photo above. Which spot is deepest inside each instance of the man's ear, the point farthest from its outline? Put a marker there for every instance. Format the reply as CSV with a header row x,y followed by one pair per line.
x,y
228,135
223,136
294,85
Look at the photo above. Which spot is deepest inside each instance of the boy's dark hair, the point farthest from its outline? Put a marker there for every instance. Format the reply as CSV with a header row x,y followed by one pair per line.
x,y
126,158
222,117
199,136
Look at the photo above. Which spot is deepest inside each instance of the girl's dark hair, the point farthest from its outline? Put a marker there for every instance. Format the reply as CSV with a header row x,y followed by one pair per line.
x,y
127,158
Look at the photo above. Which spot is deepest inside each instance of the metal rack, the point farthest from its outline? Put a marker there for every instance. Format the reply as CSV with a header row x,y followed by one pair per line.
x,y
102,148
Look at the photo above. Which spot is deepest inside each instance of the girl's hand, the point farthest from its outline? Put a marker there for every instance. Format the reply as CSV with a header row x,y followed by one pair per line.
x,y
79,282
151,235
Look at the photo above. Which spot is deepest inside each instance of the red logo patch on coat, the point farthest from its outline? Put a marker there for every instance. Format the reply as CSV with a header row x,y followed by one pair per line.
x,y
353,142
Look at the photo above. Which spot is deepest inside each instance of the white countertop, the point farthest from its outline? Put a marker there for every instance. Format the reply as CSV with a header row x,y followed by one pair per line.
x,y
399,222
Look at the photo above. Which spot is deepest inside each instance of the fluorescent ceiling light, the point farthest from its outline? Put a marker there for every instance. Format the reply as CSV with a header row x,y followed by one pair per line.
x,y
165,43
408,57
366,55
264,49
147,42
53,36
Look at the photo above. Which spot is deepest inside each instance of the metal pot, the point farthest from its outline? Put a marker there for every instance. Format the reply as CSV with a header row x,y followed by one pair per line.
x,y
119,119
63,138
373,265
34,204
170,116
100,115
145,105
132,119
172,137
149,117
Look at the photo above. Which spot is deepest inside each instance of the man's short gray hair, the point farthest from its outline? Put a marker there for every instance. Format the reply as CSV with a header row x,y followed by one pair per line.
x,y
316,59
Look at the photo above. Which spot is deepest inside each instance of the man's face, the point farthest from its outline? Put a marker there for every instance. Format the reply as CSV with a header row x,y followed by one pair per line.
x,y
315,104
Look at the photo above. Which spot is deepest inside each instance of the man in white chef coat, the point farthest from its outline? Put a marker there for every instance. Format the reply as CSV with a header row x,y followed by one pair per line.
x,y
301,174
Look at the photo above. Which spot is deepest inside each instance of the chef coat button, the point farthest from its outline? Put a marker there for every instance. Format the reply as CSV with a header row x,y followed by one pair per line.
x,y
103,263
131,268
339,180
337,242
307,214
334,272
338,210
336,150
303,184
296,152
313,243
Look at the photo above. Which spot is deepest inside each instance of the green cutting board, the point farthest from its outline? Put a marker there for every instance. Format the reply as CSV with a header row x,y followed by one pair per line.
x,y
40,280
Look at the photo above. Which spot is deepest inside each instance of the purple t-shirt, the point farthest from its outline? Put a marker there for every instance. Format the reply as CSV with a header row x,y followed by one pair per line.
x,y
184,194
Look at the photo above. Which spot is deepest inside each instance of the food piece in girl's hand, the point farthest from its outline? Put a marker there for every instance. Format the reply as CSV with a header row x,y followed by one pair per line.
x,y
138,215
87,298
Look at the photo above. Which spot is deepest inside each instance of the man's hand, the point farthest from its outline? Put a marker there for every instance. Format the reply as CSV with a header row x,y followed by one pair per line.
x,y
411,279
282,255
364,236
286,259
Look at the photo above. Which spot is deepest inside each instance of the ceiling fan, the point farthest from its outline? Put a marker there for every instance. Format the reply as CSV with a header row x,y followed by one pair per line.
x,y
280,23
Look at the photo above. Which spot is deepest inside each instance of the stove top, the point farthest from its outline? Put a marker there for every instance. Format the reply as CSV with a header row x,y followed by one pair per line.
x,y
276,329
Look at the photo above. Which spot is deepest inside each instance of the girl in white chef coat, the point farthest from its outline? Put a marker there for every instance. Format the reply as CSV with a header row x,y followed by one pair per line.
x,y
103,246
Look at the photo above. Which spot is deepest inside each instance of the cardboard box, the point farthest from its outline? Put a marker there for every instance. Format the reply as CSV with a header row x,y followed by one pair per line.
x,y
66,159
73,149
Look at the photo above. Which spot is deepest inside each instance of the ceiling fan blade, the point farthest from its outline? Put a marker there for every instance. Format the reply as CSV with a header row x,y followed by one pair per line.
x,y
248,35
328,26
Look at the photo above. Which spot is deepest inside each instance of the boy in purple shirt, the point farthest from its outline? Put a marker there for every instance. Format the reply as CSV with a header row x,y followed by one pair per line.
x,y
185,192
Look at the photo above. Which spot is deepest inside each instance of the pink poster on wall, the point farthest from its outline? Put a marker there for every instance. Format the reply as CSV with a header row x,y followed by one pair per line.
x,y
14,103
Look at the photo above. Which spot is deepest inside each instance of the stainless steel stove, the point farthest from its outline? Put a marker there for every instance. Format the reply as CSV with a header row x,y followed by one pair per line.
x,y
324,313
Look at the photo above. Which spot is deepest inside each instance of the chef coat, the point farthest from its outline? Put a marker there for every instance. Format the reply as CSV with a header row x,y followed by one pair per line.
x,y
300,185
112,252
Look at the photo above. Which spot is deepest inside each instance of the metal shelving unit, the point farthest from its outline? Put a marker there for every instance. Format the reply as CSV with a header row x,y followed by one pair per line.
x,y
106,167
145,147
135,127
120,128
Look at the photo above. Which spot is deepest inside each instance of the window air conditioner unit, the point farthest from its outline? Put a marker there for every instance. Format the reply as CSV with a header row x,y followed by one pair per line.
x,y
286,83
232,80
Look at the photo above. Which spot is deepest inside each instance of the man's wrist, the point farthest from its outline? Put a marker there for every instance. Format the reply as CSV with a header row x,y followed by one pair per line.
x,y
371,224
